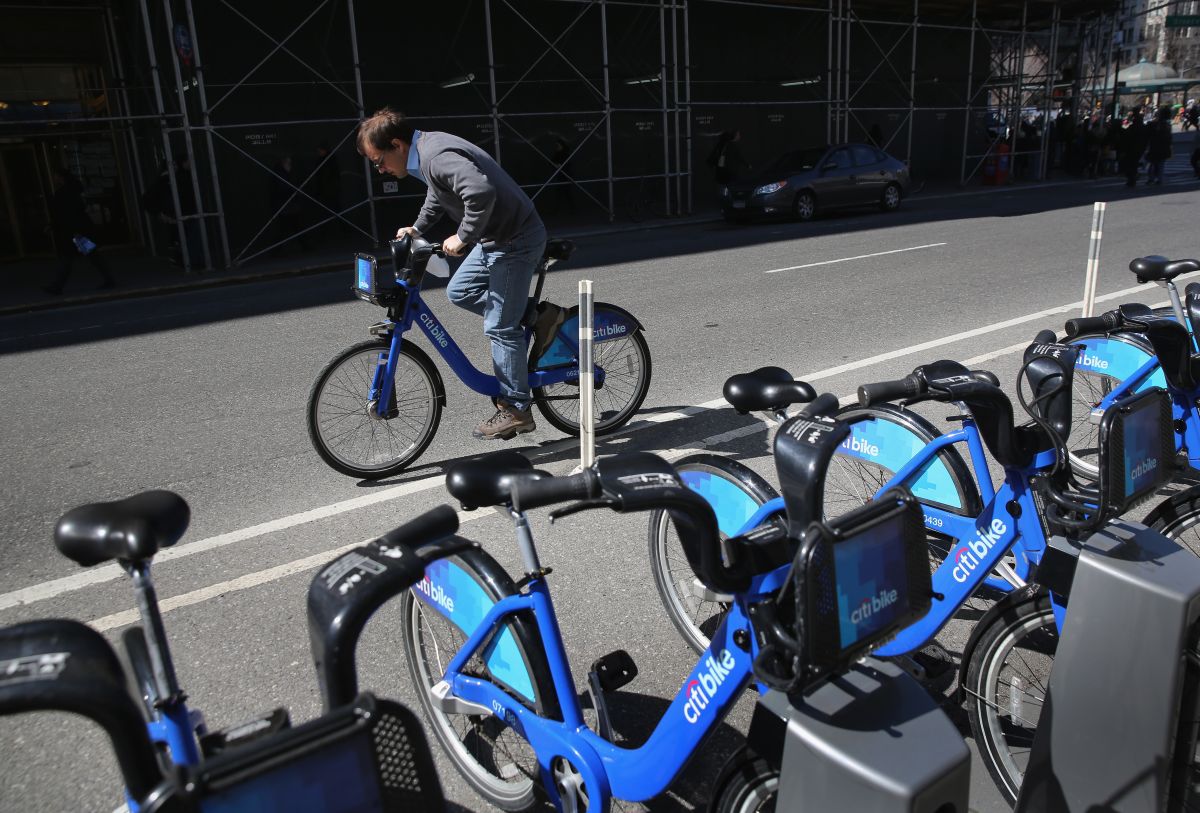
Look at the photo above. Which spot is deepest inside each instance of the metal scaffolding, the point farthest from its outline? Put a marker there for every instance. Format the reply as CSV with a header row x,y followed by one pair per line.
x,y
874,70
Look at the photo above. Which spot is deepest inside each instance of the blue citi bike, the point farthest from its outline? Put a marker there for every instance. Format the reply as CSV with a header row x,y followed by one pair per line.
x,y
993,543
376,406
486,654
363,753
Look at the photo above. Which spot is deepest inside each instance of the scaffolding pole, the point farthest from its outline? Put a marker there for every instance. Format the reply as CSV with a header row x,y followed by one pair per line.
x,y
212,153
962,176
1052,69
912,83
608,110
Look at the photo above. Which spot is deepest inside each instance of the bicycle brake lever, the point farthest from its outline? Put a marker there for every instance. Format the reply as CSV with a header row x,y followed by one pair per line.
x,y
575,508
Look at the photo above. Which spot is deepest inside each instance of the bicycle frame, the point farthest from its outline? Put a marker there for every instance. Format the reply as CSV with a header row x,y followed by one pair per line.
x,y
610,771
982,541
418,313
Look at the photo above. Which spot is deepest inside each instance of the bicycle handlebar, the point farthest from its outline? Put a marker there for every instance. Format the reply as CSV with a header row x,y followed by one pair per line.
x,y
527,494
436,523
908,387
1103,323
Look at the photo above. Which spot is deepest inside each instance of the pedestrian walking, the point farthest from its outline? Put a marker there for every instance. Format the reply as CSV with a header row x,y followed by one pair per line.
x,y
726,159
1133,144
1158,145
73,232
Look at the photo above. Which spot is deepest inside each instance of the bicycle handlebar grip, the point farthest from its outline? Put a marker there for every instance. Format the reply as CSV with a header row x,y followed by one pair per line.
x,y
1093,324
550,490
436,523
907,387
986,376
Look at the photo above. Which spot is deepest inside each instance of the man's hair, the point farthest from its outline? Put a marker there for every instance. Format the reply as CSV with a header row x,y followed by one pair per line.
x,y
381,127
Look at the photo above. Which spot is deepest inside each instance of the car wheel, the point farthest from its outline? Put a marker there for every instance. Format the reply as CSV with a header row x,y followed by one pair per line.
x,y
889,201
805,206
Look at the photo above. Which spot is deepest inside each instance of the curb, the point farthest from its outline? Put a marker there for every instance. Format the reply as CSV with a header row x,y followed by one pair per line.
x,y
201,283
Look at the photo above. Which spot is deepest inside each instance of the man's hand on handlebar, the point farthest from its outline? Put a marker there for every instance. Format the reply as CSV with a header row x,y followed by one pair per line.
x,y
407,231
453,246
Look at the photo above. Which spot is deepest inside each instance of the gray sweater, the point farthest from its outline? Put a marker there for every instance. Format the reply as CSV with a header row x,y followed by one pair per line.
x,y
467,185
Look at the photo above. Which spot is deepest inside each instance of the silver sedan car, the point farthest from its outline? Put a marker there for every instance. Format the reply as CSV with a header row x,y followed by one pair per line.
x,y
802,182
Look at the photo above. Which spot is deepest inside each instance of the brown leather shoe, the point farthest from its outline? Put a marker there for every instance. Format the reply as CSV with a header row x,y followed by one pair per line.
x,y
506,424
550,317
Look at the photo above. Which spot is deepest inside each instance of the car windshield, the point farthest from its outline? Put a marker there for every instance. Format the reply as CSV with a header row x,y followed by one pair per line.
x,y
798,161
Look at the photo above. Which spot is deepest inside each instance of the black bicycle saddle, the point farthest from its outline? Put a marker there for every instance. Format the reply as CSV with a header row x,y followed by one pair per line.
x,y
488,480
131,530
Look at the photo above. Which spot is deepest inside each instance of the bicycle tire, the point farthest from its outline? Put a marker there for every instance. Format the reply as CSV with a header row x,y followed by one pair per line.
x,y
622,393
740,492
747,784
1178,518
995,690
492,757
339,410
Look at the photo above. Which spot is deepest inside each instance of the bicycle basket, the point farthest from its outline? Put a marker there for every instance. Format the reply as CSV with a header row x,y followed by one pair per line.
x,y
370,284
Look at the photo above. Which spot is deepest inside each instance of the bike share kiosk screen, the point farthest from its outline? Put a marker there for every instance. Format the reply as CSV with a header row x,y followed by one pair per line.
x,y
861,735
367,284
861,579
1139,449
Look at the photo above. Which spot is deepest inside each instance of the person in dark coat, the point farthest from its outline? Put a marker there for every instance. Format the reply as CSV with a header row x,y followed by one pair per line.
x,y
72,231
1133,144
1158,145
726,158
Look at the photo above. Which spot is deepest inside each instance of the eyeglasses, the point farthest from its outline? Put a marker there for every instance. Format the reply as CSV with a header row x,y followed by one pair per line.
x,y
379,164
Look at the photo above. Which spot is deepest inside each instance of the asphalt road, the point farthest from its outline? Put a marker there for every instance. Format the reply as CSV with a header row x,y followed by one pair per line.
x,y
204,393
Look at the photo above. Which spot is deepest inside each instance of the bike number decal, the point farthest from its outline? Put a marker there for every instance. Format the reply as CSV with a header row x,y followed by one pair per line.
x,y
606,326
451,591
890,446
731,504
1118,360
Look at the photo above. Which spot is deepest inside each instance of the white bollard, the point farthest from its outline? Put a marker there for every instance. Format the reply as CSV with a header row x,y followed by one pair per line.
x,y
1093,263
587,380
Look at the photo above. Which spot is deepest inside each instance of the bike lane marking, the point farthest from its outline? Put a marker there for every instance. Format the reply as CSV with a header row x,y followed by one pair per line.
x,y
848,259
111,572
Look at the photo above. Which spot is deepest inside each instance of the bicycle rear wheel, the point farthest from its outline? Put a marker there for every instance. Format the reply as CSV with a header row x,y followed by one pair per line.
x,y
497,762
342,422
626,365
1178,518
735,492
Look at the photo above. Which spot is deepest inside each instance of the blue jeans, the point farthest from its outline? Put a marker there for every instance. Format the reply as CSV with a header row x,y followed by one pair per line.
x,y
494,283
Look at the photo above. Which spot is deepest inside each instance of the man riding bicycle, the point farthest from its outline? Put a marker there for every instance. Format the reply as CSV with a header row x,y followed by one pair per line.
x,y
499,231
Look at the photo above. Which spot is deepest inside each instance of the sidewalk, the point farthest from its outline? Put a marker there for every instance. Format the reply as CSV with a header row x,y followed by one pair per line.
x,y
139,275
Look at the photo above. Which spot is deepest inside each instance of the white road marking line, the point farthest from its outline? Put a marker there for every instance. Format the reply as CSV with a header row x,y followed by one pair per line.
x,y
848,259
107,573
126,617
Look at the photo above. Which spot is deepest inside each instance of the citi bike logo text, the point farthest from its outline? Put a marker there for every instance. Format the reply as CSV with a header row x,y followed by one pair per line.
x,y
704,687
860,445
873,604
1145,467
604,331
436,594
435,330
969,556
1095,362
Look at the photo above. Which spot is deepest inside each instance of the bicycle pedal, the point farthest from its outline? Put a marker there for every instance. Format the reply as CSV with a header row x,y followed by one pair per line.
x,y
614,670
934,660
273,722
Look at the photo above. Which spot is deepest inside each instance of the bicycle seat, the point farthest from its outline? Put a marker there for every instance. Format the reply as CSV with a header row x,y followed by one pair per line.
x,y
131,530
488,480
1156,267
558,249
767,388
1191,305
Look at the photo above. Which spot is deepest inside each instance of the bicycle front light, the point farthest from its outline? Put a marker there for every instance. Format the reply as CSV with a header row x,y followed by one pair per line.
x,y
769,188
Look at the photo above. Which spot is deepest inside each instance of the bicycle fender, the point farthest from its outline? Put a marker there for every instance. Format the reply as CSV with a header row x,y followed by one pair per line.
x,y
733,505
893,442
1118,355
450,589
995,612
609,322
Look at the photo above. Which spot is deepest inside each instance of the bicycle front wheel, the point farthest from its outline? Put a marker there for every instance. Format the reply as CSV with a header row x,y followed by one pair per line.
x,y
1103,364
735,493
1178,519
626,365
497,762
346,429
1006,685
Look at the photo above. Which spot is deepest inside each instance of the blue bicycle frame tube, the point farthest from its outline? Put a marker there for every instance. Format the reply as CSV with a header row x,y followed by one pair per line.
x,y
703,700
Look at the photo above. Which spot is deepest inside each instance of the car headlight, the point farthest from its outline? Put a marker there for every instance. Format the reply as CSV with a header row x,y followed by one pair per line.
x,y
769,188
